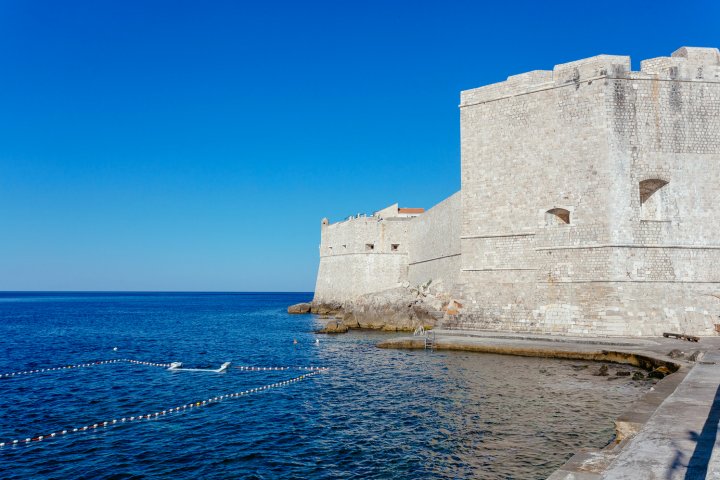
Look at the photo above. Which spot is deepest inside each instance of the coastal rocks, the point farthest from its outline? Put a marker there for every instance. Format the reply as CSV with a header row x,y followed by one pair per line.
x,y
691,357
615,372
299,308
334,326
330,309
675,353
397,309
660,372
695,356
602,371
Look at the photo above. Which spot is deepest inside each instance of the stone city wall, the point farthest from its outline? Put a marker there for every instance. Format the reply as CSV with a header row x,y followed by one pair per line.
x,y
364,255
361,255
589,205
434,239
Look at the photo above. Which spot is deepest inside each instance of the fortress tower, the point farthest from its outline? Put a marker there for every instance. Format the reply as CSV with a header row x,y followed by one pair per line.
x,y
590,197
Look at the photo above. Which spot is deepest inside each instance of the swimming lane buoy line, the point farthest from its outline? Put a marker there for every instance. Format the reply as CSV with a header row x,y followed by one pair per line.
x,y
262,369
157,414
170,366
83,365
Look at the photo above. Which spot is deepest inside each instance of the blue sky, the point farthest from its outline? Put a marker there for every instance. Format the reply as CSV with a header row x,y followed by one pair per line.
x,y
176,145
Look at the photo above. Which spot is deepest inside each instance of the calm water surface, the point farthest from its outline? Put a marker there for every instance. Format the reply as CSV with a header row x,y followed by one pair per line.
x,y
376,414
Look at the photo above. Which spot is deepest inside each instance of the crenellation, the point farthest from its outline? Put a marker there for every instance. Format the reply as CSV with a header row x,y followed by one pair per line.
x,y
588,69
686,64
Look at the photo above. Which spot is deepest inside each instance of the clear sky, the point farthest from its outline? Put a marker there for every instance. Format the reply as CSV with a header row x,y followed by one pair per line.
x,y
177,145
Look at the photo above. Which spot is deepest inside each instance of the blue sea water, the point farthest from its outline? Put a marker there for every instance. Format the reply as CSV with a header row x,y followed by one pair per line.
x,y
375,414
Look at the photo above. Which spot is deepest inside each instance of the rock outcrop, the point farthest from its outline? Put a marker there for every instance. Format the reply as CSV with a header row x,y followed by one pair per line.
x,y
334,326
403,308
329,309
299,308
391,310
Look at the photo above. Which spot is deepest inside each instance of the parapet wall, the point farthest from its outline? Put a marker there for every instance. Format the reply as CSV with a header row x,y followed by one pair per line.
x,y
685,64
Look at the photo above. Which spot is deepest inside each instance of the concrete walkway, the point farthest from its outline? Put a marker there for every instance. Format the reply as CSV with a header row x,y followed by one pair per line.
x,y
671,433
678,440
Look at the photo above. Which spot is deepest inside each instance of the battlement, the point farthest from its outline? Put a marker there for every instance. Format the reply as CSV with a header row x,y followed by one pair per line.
x,y
686,64
392,212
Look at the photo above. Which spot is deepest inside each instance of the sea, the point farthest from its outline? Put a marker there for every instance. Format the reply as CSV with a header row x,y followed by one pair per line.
x,y
373,413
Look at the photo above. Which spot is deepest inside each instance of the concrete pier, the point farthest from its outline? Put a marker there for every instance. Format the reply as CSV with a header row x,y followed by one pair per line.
x,y
670,433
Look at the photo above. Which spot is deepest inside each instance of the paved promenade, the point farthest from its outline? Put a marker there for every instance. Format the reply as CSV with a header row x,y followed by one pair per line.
x,y
670,433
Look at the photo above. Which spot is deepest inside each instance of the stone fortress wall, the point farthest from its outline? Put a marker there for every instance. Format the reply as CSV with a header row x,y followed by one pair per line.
x,y
434,244
362,255
589,204
368,254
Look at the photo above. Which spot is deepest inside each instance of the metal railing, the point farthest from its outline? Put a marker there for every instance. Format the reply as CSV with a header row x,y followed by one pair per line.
x,y
428,337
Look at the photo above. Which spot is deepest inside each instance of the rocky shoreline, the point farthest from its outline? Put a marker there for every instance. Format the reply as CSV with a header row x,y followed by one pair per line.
x,y
400,309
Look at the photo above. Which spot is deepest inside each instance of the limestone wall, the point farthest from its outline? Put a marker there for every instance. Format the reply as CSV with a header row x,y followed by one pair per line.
x,y
361,255
434,252
665,128
580,140
527,150
370,254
